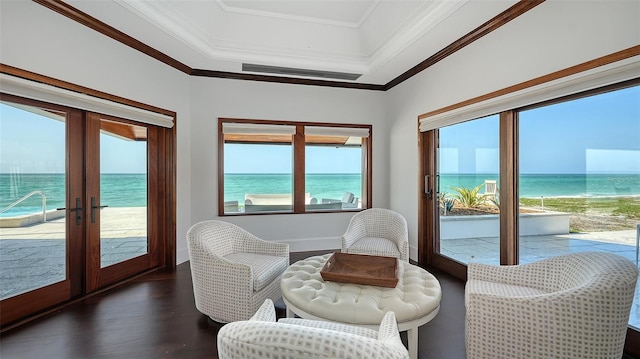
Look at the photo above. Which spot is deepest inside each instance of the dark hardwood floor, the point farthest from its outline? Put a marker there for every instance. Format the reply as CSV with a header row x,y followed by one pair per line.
x,y
154,316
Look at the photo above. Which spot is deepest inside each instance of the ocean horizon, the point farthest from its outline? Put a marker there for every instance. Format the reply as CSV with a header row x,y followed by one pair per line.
x,y
130,190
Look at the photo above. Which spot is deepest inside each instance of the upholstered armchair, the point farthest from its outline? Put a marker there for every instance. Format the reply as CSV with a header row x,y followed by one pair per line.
x,y
379,232
233,271
570,306
295,338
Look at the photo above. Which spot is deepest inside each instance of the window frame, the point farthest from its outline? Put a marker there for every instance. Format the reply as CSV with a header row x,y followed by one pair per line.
x,y
299,169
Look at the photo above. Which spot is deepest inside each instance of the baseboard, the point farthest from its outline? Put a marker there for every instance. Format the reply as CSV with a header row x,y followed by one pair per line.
x,y
182,255
413,253
312,244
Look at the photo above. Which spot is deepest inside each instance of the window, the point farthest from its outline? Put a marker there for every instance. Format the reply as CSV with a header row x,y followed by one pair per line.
x,y
291,167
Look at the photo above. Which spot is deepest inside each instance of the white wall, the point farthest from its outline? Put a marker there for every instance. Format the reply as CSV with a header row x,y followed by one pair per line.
x,y
214,98
552,36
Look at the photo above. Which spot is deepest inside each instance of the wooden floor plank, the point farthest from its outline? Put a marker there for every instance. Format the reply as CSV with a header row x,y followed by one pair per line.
x,y
154,316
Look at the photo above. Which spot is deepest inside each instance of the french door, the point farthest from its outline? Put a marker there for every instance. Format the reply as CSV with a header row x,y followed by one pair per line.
x,y
82,192
118,181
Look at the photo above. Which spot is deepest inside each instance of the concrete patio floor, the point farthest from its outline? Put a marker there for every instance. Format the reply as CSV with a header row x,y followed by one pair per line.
x,y
34,256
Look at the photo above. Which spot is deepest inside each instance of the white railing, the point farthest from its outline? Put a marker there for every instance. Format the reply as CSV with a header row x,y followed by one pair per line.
x,y
44,204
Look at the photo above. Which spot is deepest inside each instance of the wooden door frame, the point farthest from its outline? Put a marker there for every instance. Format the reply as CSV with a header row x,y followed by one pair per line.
x,y
14,310
428,211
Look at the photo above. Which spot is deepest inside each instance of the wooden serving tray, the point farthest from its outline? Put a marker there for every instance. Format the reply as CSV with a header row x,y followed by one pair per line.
x,y
361,269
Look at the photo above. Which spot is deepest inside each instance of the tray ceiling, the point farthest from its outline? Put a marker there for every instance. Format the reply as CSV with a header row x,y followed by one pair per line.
x,y
376,39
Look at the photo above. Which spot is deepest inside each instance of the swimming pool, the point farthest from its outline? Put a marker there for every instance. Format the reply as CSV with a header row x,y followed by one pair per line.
x,y
13,219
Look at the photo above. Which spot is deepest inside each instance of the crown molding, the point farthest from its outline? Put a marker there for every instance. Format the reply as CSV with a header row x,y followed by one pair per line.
x,y
430,16
495,23
501,19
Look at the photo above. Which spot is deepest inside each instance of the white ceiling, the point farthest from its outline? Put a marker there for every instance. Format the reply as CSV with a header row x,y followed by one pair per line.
x,y
380,39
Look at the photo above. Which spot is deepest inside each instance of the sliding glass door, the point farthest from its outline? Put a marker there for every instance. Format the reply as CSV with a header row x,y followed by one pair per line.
x,y
580,191
566,180
468,165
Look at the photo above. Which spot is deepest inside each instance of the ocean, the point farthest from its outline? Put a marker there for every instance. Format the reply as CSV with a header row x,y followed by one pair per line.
x,y
130,190
554,185
117,190
330,186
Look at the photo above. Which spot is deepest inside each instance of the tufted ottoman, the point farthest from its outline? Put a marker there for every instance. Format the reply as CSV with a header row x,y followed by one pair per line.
x,y
415,300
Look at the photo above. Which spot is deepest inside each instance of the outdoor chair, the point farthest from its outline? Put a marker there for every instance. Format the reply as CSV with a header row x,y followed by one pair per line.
x,y
295,338
348,200
379,232
233,271
490,189
570,306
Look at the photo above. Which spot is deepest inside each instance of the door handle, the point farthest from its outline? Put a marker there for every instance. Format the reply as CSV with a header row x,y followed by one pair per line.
x,y
427,190
78,210
94,206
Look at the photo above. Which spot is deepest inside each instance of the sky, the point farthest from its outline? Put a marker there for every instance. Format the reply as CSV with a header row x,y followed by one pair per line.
x,y
31,143
278,159
593,135
598,134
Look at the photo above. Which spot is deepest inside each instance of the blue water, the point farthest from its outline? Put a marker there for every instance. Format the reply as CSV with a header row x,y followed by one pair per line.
x,y
554,185
116,190
130,190
330,186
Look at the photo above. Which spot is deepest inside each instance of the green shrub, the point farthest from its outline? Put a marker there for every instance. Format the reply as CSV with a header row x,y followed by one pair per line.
x,y
469,198
446,202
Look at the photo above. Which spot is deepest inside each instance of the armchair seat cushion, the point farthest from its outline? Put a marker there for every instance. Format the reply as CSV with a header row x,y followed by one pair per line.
x,y
375,246
265,268
482,287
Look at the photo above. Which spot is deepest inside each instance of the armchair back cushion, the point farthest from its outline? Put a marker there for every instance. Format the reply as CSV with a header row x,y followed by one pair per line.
x,y
377,231
294,338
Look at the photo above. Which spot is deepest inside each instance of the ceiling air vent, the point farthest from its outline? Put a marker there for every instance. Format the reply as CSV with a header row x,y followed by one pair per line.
x,y
299,72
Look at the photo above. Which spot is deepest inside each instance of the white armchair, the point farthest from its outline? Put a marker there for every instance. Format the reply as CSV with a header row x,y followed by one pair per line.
x,y
570,306
379,232
294,338
233,271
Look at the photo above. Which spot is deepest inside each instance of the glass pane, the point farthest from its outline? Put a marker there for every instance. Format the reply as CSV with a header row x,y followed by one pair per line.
x,y
580,178
32,187
333,175
468,174
258,176
123,192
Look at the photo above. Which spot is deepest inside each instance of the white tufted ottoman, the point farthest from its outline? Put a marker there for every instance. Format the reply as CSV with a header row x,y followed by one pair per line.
x,y
415,300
